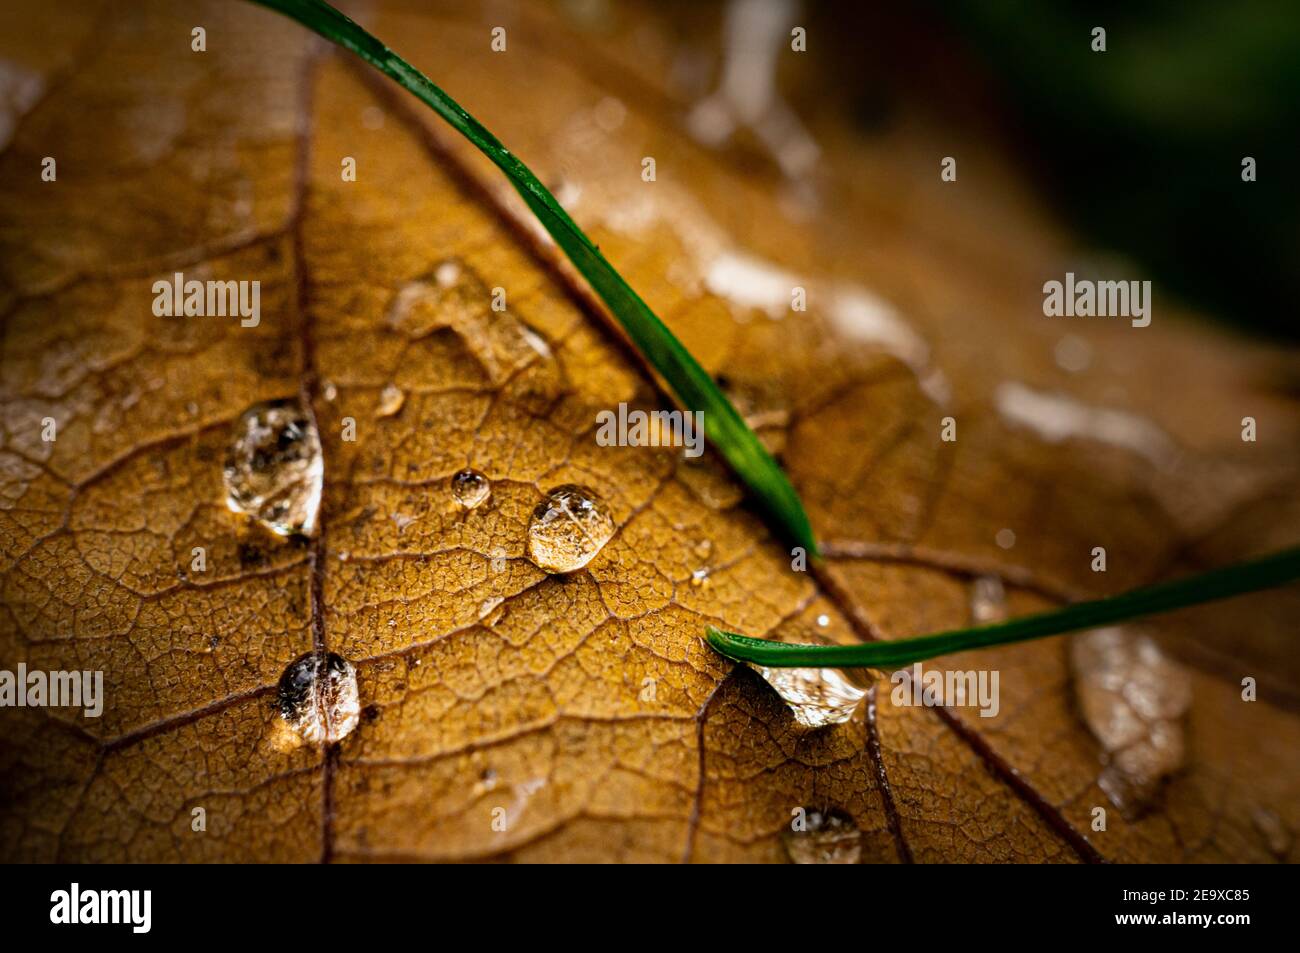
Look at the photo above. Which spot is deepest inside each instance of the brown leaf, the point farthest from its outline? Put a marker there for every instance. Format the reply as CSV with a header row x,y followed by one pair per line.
x,y
505,712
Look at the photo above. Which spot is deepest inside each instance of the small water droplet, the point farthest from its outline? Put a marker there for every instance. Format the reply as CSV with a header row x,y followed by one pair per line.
x,y
823,620
447,273
391,399
274,470
536,342
700,577
487,781
1006,538
1073,354
704,548
568,529
817,696
828,837
470,488
329,391
318,697
609,113
988,600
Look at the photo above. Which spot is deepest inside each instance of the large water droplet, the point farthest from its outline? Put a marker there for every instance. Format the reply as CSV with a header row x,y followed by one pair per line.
x,y
470,488
828,837
817,696
319,698
274,470
568,529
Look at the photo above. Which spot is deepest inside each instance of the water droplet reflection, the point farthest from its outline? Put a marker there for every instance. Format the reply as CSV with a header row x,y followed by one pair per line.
x,y
827,837
568,529
274,470
318,697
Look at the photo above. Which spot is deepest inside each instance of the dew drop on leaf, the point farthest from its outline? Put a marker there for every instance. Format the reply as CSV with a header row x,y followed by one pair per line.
x,y
568,529
988,600
470,488
391,399
817,696
828,837
274,470
318,697
447,273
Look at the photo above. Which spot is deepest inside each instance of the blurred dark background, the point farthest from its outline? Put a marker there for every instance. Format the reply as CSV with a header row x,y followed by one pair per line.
x,y
1140,147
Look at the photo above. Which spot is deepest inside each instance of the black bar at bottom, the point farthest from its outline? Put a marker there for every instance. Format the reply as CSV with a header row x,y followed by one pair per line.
x,y
341,904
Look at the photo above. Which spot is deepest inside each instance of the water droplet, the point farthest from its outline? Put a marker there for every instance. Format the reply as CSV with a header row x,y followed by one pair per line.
x,y
1073,354
988,600
274,470
487,781
536,342
447,273
817,696
391,399
1006,538
318,697
609,113
828,837
329,391
568,529
700,577
486,608
1133,699
567,193
470,488
704,548
823,620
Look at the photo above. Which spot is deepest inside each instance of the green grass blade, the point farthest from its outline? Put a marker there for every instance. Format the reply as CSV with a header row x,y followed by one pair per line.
x,y
1234,580
693,387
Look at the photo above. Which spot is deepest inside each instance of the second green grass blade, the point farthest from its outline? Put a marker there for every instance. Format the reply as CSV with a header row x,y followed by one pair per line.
x,y
1265,573
696,390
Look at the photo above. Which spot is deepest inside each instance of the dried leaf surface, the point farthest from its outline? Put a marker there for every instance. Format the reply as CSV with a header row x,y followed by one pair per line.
x,y
585,710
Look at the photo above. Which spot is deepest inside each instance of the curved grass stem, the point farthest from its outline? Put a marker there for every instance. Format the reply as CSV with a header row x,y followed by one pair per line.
x,y
689,382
